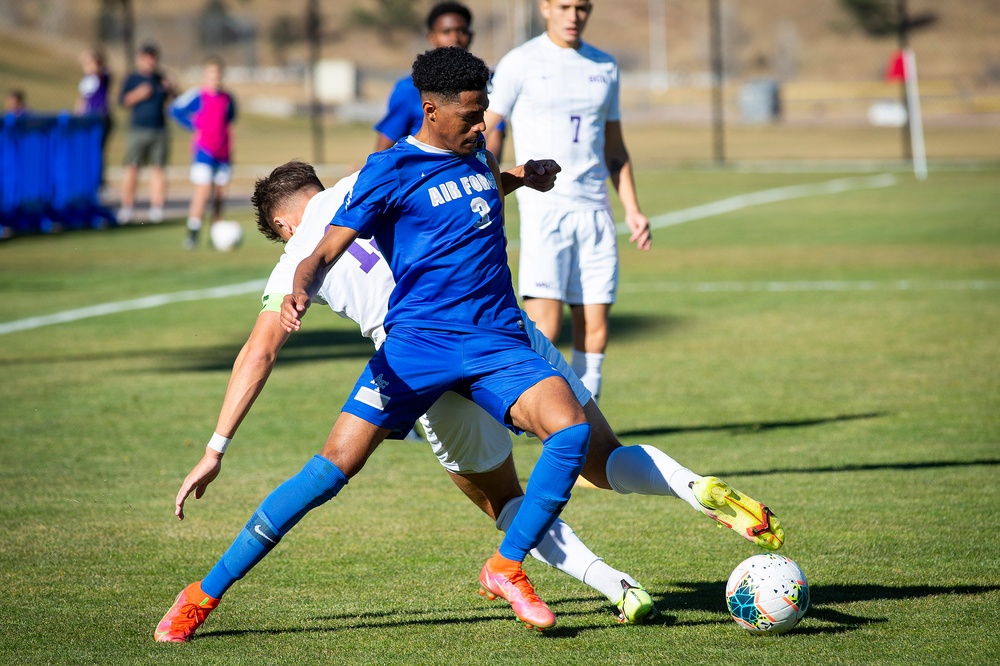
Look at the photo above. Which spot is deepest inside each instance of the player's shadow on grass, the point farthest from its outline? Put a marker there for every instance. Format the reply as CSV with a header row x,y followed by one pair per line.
x,y
302,347
867,467
625,326
391,619
825,615
748,427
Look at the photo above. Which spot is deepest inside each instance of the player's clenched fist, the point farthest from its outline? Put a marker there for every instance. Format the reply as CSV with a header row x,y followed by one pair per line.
x,y
293,308
541,174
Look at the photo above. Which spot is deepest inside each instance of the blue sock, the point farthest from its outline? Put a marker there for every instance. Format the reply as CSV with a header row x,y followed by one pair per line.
x,y
318,482
549,486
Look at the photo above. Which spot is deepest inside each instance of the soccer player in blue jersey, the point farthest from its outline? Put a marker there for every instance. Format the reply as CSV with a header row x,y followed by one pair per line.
x,y
433,204
448,24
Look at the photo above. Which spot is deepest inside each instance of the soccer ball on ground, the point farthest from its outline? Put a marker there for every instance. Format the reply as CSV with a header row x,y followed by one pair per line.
x,y
767,594
226,235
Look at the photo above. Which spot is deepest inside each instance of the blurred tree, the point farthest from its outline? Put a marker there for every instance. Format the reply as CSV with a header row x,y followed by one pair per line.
x,y
883,18
218,29
212,24
116,22
107,21
285,30
389,16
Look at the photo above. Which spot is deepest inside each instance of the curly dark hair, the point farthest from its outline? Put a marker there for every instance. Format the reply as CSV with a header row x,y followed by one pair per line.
x,y
449,71
274,190
442,8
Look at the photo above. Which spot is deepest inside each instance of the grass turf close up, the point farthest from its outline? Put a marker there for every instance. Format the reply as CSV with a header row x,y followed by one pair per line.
x,y
867,415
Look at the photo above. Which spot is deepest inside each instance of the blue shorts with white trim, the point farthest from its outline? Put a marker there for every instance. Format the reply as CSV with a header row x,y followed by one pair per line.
x,y
416,366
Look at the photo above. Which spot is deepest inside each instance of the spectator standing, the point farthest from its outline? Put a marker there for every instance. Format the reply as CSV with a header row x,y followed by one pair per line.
x,y
94,89
146,92
13,102
208,112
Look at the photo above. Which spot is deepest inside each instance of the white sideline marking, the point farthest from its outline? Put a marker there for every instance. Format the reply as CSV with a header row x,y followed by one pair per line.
x,y
764,197
821,285
135,304
669,219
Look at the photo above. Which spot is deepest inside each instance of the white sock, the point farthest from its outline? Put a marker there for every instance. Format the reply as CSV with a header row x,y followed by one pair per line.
x,y
194,223
647,470
587,366
562,549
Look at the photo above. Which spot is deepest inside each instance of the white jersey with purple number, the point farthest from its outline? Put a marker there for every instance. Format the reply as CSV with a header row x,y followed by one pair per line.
x,y
558,101
356,287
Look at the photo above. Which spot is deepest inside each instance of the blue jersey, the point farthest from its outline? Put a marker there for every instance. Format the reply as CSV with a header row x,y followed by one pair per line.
x,y
437,219
405,114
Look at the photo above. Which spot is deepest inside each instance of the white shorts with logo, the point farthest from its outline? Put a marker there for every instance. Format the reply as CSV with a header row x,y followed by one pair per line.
x,y
211,174
468,440
569,256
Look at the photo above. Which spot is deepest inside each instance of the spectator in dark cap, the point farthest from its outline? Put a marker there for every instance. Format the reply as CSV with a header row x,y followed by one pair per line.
x,y
146,92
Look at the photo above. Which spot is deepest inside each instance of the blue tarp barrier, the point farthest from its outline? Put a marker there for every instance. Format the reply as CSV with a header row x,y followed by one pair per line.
x,y
50,174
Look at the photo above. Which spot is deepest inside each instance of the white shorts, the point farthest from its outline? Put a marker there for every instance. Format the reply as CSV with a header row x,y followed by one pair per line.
x,y
570,256
468,440
210,174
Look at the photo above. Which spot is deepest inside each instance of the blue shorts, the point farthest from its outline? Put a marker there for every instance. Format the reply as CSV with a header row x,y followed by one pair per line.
x,y
416,366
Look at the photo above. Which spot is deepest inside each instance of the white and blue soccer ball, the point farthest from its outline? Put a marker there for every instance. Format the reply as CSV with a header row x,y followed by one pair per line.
x,y
767,594
226,235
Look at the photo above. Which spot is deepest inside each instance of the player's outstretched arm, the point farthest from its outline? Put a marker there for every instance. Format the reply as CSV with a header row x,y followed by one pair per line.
x,y
250,372
537,174
620,166
310,273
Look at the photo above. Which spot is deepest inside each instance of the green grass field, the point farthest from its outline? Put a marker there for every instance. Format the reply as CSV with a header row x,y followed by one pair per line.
x,y
777,346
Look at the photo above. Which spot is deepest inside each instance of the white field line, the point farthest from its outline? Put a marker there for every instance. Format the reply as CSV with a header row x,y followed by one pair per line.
x,y
811,286
135,304
742,201
669,219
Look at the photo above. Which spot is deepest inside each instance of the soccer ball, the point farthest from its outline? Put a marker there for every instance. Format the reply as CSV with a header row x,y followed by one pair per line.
x,y
767,594
226,235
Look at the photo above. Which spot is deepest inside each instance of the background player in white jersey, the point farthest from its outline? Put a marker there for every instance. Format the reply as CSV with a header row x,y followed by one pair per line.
x,y
561,98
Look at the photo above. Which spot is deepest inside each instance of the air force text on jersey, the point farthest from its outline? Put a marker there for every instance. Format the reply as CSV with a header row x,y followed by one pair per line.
x,y
474,183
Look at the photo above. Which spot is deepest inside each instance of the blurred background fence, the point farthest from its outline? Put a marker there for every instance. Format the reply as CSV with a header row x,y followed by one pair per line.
x,y
801,80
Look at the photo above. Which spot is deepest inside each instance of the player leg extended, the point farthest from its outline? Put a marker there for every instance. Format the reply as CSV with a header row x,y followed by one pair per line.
x,y
350,443
645,470
550,410
497,492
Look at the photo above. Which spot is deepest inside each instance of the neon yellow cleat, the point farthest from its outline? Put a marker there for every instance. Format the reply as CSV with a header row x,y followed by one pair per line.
x,y
740,513
188,613
635,605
